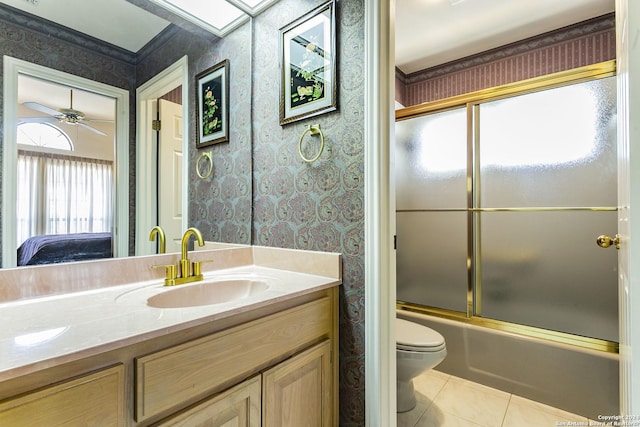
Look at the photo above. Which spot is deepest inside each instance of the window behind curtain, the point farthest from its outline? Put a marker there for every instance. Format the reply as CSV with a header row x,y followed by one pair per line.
x,y
63,194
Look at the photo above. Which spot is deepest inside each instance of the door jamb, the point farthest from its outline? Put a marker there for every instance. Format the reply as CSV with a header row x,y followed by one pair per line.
x,y
146,152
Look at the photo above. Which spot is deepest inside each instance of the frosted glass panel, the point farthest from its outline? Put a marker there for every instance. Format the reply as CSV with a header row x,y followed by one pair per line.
x,y
431,161
551,148
432,259
544,269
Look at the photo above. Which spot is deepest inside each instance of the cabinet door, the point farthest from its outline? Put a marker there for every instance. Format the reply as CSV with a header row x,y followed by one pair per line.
x,y
96,399
237,407
298,391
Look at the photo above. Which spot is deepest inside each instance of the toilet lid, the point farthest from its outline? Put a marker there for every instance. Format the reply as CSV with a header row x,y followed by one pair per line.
x,y
415,337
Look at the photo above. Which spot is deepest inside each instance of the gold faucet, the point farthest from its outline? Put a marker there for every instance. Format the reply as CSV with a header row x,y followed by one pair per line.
x,y
157,230
189,271
185,265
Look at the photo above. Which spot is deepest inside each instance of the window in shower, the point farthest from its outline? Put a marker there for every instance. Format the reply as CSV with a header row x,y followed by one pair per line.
x,y
499,203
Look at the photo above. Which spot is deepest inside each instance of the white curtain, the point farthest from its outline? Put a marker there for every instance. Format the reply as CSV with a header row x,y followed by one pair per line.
x,y
63,194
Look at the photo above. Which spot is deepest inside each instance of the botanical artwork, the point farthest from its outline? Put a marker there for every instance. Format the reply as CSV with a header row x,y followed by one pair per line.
x,y
212,95
308,65
211,114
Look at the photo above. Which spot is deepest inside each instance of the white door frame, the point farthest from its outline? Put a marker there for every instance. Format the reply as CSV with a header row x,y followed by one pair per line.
x,y
146,151
628,72
380,283
379,204
14,67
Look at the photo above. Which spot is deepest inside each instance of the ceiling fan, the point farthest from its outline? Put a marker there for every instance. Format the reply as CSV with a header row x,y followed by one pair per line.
x,y
62,115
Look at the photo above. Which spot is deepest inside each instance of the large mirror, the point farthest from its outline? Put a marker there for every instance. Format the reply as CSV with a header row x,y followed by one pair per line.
x,y
148,60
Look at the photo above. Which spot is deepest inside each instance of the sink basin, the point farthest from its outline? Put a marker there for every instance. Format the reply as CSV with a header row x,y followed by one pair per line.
x,y
207,293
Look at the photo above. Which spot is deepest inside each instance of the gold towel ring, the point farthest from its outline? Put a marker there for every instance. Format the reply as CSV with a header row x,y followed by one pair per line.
x,y
207,174
313,130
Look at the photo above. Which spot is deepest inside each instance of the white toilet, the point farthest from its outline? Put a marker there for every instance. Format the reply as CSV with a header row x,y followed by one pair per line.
x,y
418,349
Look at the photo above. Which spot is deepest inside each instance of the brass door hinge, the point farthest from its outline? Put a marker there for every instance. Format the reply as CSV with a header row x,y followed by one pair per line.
x,y
155,124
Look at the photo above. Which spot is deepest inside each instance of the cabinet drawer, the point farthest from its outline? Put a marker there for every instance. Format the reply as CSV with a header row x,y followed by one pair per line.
x,y
96,399
173,378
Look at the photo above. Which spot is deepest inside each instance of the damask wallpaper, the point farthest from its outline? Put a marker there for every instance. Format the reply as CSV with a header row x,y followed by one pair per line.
x,y
317,206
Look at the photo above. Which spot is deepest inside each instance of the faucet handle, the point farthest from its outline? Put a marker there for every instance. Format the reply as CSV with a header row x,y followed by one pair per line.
x,y
197,266
171,271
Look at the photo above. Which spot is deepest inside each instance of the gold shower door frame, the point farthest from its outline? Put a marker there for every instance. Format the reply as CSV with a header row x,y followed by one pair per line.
x,y
471,102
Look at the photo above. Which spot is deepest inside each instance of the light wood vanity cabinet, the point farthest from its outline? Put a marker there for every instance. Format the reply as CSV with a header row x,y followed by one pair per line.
x,y
294,393
96,399
167,380
271,366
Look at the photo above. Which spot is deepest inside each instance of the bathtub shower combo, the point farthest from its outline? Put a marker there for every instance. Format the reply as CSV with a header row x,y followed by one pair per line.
x,y
501,195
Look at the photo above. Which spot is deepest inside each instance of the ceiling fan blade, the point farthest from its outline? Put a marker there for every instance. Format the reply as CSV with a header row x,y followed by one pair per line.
x,y
98,120
41,108
92,129
37,120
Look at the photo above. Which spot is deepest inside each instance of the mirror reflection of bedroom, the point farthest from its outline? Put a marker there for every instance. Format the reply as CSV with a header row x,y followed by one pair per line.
x,y
65,173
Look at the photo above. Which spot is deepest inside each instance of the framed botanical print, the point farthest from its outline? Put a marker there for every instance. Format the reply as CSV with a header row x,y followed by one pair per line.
x,y
308,65
212,94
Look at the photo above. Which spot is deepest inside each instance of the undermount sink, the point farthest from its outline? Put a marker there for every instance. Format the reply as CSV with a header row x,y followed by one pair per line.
x,y
207,293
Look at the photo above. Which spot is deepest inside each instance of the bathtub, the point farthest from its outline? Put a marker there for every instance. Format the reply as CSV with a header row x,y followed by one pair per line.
x,y
578,380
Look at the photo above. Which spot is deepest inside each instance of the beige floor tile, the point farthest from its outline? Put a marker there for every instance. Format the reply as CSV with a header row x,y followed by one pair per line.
x,y
525,414
427,386
430,383
546,408
472,402
434,417
410,418
448,401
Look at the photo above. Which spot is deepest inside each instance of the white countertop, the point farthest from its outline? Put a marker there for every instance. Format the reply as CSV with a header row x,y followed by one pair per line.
x,y
38,333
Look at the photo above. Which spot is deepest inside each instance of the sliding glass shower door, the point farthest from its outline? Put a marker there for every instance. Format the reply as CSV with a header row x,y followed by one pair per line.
x,y
431,203
547,186
499,204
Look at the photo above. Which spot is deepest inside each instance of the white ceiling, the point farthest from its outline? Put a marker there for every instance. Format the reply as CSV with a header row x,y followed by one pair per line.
x,y
434,32
115,21
428,32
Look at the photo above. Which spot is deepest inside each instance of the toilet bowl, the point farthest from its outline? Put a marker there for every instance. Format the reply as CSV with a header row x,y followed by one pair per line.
x,y
418,349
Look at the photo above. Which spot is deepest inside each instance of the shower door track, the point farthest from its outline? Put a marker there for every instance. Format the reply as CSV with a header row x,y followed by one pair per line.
x,y
515,328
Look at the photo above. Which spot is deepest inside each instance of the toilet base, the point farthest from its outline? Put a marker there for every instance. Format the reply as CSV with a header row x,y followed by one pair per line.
x,y
406,396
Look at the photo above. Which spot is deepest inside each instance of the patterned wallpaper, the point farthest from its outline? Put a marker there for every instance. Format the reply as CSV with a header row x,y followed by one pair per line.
x,y
317,206
585,43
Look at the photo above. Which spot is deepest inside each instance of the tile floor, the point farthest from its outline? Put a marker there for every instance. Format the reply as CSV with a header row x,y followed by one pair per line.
x,y
448,401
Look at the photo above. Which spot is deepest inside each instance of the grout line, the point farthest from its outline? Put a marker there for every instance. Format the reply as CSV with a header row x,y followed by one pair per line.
x,y
504,417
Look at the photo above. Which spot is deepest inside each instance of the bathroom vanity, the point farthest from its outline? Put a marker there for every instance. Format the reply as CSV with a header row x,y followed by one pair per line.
x,y
266,357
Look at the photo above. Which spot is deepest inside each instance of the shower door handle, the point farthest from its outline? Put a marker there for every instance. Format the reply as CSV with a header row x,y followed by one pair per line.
x,y
605,241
